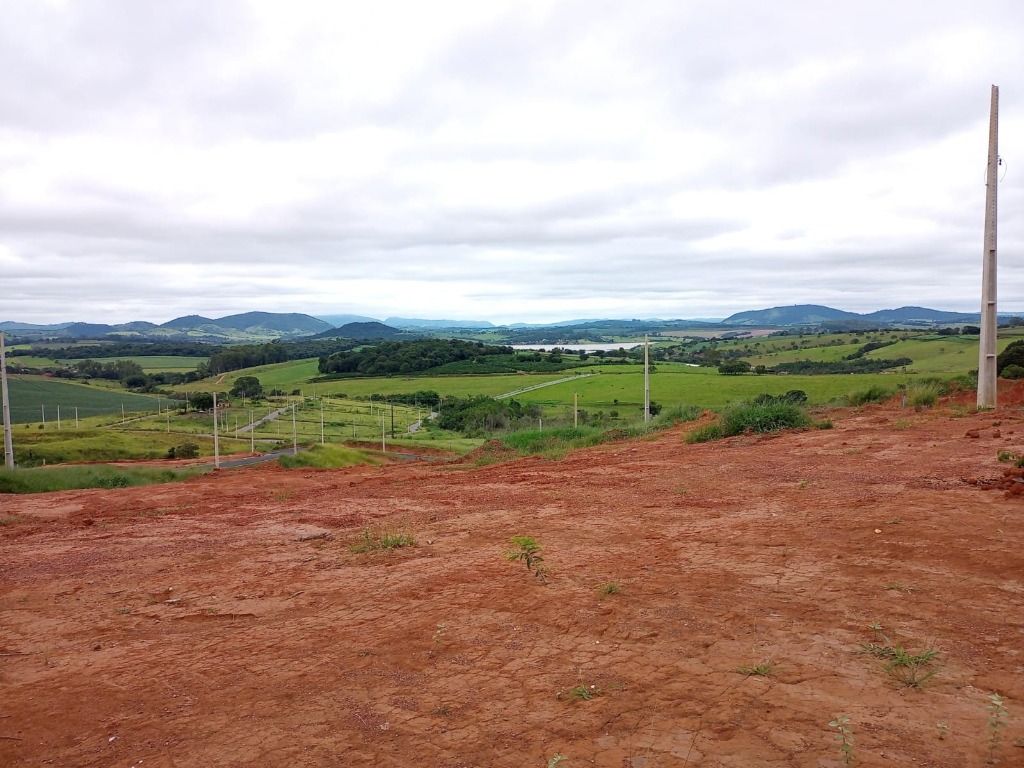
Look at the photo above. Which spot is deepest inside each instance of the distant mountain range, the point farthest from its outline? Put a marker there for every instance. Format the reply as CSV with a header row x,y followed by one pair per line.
x,y
248,326
253,327
815,314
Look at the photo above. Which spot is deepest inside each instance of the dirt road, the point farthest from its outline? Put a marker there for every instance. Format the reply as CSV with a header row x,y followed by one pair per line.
x,y
225,621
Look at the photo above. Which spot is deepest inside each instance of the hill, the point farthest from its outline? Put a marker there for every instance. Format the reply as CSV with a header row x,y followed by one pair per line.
x,y
360,331
798,314
921,315
337,320
423,324
289,324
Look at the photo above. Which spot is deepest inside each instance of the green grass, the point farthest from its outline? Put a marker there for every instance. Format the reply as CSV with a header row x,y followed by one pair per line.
x,y
29,393
555,442
33,447
382,541
873,394
739,418
46,479
762,417
327,457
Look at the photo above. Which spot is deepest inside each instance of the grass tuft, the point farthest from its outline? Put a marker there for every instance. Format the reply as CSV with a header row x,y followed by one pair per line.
x,y
382,541
873,394
327,457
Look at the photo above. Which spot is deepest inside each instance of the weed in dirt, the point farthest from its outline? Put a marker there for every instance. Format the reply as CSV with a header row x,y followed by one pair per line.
x,y
844,735
1005,456
996,722
373,541
764,669
555,759
528,550
910,669
584,692
902,424
609,588
824,424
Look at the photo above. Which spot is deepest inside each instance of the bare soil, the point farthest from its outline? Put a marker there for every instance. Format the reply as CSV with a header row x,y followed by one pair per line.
x,y
225,621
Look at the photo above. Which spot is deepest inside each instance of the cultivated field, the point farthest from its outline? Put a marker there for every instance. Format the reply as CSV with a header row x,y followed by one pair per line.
x,y
705,605
29,394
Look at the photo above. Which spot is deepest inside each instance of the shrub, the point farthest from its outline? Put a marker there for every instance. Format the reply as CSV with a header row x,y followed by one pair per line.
x,y
1013,371
762,417
923,395
186,450
706,433
873,394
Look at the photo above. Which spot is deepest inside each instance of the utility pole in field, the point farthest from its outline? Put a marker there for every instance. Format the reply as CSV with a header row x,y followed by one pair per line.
x,y
8,442
252,433
987,347
321,421
647,379
295,439
76,417
216,437
575,410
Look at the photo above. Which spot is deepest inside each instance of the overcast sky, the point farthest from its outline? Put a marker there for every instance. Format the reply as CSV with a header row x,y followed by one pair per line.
x,y
502,161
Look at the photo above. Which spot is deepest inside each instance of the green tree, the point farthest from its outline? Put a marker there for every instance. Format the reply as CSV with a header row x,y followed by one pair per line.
x,y
247,386
734,367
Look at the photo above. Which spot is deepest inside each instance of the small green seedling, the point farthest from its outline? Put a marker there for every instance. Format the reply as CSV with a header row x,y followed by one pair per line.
x,y
382,540
844,735
764,669
584,692
910,669
609,588
996,722
528,550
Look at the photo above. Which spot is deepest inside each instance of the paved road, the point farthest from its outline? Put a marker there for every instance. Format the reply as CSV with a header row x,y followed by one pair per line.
x,y
250,460
545,384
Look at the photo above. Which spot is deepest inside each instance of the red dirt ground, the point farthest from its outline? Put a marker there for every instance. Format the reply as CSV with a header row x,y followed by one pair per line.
x,y
199,624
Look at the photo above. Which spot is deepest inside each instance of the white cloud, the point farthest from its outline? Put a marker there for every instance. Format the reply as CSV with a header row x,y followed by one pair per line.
x,y
511,161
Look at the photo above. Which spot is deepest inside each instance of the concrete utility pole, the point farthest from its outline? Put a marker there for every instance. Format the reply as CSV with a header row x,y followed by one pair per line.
x,y
252,432
295,438
575,410
8,442
987,348
383,434
647,379
321,421
76,417
216,436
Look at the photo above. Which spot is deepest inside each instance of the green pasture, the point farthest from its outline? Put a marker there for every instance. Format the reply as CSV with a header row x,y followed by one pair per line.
x,y
150,364
29,394
33,446
704,387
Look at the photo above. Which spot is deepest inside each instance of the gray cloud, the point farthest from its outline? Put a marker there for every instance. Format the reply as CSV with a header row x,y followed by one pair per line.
x,y
504,161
